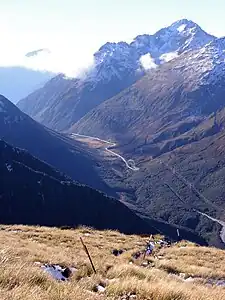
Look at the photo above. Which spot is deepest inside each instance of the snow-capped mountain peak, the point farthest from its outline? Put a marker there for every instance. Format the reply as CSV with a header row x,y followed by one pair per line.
x,y
117,60
184,48
182,24
111,50
113,60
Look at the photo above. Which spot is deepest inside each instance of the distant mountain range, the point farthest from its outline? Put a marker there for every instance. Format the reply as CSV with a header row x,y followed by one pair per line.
x,y
168,101
117,66
161,99
17,82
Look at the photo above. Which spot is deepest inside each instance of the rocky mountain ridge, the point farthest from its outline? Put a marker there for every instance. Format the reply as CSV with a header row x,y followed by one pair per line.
x,y
116,67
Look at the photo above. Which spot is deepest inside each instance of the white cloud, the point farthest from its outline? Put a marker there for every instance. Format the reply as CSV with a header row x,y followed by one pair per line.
x,y
71,62
148,62
67,54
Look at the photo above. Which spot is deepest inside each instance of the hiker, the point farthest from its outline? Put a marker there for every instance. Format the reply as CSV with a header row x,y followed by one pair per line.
x,y
150,247
136,255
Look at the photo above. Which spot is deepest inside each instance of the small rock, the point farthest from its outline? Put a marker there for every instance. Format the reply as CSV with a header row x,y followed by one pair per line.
x,y
87,234
66,272
58,272
189,279
73,269
182,275
129,296
117,252
100,288
144,264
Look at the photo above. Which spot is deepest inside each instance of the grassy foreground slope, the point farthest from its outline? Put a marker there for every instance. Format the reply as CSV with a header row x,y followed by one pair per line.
x,y
22,278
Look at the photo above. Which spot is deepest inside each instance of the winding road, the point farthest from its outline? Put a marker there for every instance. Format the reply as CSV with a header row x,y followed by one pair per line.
x,y
200,195
222,223
130,164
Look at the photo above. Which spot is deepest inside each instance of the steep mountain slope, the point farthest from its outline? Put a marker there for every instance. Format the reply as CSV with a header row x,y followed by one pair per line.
x,y
174,115
180,183
167,102
66,155
183,178
18,82
116,67
31,192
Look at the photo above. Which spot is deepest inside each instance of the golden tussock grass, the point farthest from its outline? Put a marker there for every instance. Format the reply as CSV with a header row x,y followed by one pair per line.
x,y
21,278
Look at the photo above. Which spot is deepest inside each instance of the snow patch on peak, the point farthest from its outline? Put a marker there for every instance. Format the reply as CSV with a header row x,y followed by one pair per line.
x,y
2,107
148,62
119,60
181,28
9,167
183,22
168,56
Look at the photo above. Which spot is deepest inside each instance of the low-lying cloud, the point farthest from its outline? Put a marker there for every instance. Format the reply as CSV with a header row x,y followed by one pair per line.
x,y
71,63
148,62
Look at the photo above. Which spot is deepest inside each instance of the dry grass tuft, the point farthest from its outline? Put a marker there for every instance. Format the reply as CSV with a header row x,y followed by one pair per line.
x,y
21,278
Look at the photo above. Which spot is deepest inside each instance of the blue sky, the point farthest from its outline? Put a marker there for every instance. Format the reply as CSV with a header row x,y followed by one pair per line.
x,y
74,29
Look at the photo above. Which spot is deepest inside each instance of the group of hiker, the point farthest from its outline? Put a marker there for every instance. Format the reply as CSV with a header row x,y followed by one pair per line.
x,y
150,246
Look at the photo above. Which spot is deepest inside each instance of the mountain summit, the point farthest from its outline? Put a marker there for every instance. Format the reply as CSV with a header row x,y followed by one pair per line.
x,y
190,86
181,36
116,67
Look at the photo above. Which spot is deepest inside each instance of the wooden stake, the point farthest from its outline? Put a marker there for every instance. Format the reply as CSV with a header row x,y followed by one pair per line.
x,y
144,254
86,250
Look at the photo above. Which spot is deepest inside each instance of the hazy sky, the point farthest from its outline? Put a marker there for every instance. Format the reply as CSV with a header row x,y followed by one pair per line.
x,y
74,29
